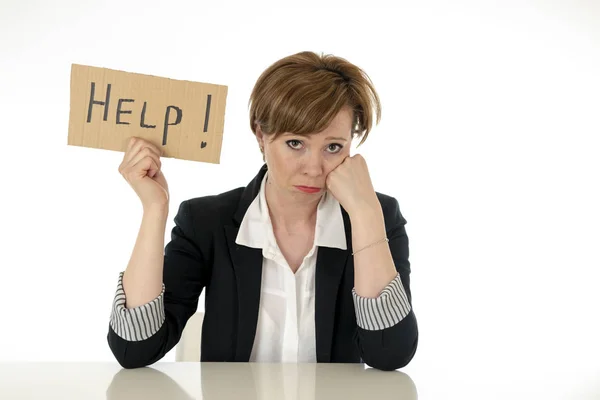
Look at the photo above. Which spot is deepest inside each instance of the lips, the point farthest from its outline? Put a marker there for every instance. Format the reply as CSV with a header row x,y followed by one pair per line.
x,y
308,189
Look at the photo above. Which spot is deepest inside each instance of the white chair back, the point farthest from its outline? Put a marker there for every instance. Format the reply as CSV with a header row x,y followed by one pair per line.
x,y
188,348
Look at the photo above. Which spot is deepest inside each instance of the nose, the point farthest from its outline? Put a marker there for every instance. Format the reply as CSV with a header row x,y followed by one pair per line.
x,y
313,164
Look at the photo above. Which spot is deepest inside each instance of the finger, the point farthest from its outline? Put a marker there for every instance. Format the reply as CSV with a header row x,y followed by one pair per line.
x,y
156,174
137,147
145,166
128,153
155,148
130,143
158,149
143,153
153,170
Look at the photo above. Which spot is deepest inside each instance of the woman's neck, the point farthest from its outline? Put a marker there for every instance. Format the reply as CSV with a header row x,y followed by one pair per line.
x,y
290,213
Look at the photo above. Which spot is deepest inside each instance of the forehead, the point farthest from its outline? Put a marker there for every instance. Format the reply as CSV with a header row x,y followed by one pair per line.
x,y
339,127
342,123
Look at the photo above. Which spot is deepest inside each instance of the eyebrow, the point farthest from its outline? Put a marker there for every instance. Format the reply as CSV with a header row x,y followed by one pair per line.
x,y
308,135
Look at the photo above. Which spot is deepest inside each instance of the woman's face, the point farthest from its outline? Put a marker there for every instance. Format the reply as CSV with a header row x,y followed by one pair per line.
x,y
297,163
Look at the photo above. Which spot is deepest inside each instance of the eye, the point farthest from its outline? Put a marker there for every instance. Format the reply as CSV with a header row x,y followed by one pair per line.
x,y
294,144
334,150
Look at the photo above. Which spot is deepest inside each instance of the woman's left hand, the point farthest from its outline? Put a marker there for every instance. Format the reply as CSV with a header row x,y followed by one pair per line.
x,y
350,183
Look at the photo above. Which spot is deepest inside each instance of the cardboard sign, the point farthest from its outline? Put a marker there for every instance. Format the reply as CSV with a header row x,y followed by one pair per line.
x,y
184,118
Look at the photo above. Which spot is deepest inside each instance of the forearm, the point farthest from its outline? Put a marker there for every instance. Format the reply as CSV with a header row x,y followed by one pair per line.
x,y
143,278
374,266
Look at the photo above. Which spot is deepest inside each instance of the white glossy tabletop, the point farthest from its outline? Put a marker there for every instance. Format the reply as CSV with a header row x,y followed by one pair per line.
x,y
216,381
212,381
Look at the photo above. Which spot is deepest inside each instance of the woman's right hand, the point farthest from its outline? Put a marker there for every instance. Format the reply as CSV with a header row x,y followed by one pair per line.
x,y
141,168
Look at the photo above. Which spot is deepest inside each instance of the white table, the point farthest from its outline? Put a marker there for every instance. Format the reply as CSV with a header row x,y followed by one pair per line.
x,y
248,381
212,381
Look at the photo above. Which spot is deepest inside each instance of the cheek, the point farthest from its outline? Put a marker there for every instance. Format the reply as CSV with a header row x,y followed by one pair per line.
x,y
277,157
285,164
334,163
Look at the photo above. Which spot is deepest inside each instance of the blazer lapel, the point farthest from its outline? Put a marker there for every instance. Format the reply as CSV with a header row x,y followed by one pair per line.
x,y
247,265
328,275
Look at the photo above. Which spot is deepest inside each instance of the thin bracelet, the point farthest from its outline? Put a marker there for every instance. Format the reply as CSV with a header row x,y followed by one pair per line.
x,y
372,244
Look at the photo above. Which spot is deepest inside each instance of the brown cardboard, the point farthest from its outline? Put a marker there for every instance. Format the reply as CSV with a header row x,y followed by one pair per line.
x,y
184,118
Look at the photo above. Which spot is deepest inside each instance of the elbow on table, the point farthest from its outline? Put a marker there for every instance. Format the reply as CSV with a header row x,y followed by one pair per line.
x,y
127,359
391,348
393,360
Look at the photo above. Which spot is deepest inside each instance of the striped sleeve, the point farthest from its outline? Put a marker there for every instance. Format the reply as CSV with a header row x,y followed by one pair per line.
x,y
139,323
384,311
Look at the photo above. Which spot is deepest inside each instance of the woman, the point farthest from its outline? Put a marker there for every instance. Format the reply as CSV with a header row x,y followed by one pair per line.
x,y
307,263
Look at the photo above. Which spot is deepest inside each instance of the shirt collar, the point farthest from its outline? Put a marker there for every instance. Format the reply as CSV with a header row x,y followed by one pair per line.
x,y
256,229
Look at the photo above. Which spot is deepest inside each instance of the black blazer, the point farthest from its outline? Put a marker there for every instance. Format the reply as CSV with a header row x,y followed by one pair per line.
x,y
202,254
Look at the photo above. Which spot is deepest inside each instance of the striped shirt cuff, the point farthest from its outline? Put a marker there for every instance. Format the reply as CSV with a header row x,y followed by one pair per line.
x,y
385,311
139,323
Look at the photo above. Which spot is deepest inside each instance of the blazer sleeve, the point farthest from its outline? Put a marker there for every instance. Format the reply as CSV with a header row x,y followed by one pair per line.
x,y
387,326
384,311
161,322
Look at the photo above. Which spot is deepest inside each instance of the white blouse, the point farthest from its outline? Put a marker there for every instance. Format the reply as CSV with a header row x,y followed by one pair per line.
x,y
286,321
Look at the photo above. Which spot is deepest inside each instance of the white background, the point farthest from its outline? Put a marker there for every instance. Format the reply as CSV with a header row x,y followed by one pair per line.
x,y
488,139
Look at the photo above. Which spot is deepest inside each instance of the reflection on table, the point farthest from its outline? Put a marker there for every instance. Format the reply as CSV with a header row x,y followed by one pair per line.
x,y
267,381
193,380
